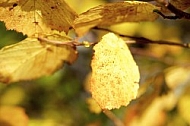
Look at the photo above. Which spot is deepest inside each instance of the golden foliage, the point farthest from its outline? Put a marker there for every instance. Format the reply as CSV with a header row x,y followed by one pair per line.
x,y
31,59
115,75
13,116
83,5
156,110
177,76
112,13
36,16
183,106
93,106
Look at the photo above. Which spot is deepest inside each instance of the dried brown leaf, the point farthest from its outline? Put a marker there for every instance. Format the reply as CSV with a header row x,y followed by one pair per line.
x,y
112,13
115,75
30,59
181,4
36,16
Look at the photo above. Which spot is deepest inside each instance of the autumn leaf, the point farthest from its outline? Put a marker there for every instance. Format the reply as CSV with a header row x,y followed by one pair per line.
x,y
36,16
177,76
93,106
115,75
113,13
30,59
13,116
183,105
156,110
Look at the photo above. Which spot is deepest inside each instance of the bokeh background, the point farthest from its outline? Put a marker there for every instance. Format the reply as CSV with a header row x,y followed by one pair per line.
x,y
63,99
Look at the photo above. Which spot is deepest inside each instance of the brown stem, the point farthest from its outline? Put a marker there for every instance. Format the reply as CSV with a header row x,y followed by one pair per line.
x,y
111,115
55,42
179,14
69,43
142,40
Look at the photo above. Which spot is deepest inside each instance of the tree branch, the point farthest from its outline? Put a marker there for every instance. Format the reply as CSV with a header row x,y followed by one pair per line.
x,y
138,40
69,43
179,14
142,40
110,115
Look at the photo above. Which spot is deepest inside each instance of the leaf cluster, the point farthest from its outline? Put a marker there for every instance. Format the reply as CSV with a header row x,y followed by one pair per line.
x,y
115,77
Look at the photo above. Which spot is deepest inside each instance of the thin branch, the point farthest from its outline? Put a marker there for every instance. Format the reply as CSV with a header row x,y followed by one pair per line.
x,y
179,14
116,120
142,40
165,16
69,43
54,42
139,40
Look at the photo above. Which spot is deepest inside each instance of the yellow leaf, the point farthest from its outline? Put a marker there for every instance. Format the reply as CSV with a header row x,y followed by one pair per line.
x,y
31,59
86,4
156,110
183,106
13,116
112,13
176,76
7,96
36,16
115,75
93,106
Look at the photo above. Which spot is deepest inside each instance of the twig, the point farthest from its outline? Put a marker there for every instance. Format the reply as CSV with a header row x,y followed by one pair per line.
x,y
69,43
179,14
142,40
116,120
54,42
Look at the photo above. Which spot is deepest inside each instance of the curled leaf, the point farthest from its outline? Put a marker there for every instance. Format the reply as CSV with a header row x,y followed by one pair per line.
x,y
30,59
112,13
115,75
36,16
